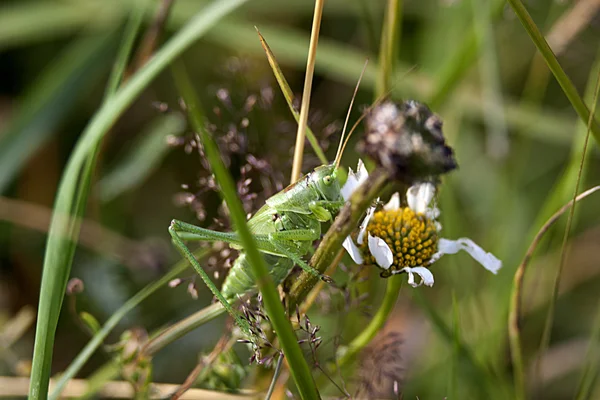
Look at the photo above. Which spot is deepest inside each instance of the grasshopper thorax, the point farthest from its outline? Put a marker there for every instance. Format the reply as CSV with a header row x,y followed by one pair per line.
x,y
325,180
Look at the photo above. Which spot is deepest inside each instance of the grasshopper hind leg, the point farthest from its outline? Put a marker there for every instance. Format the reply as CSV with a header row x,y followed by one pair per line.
x,y
183,249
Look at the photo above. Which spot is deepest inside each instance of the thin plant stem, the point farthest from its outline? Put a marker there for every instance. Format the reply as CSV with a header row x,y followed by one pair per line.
x,y
289,343
547,333
310,69
392,291
151,38
563,80
390,40
514,316
275,377
168,335
343,225
289,97
590,366
131,31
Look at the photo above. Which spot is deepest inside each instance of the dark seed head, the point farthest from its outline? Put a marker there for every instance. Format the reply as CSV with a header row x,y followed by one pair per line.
x,y
407,140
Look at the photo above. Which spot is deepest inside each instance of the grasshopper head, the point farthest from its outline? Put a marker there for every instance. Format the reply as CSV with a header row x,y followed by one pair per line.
x,y
325,180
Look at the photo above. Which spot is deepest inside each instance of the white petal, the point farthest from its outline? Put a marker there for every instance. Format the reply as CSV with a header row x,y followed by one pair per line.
x,y
419,196
394,203
354,180
363,226
350,185
381,251
487,260
353,250
361,172
411,277
425,274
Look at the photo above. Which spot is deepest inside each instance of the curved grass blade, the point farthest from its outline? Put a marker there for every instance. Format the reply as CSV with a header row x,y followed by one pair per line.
x,y
563,80
59,248
289,343
563,189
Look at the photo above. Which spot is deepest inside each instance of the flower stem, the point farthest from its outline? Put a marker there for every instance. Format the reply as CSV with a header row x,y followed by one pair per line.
x,y
343,225
392,291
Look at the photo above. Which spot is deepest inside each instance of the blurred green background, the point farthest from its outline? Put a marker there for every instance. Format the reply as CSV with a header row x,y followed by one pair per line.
x,y
517,139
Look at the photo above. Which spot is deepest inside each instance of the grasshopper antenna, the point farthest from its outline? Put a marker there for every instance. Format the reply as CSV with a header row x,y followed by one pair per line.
x,y
378,101
338,155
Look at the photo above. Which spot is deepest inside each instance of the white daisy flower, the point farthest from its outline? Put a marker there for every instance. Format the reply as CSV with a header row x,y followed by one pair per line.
x,y
406,239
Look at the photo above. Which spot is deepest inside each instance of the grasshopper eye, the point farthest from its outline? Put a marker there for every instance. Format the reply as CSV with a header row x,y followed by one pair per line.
x,y
327,180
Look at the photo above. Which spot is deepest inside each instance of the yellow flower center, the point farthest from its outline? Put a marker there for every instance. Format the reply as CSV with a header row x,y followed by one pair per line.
x,y
412,238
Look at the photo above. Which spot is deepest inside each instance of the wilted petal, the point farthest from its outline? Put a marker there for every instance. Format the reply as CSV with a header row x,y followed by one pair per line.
x,y
487,260
354,180
394,203
350,185
363,226
361,172
425,275
381,252
419,196
353,250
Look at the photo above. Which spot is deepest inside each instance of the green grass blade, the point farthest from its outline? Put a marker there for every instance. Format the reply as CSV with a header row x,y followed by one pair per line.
x,y
141,158
563,189
289,98
287,338
563,80
388,50
110,324
131,30
59,248
49,100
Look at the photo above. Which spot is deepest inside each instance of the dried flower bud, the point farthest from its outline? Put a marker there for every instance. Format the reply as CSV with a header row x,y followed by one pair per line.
x,y
407,140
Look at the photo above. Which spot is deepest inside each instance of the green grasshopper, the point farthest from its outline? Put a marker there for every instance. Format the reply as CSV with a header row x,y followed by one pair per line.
x,y
284,229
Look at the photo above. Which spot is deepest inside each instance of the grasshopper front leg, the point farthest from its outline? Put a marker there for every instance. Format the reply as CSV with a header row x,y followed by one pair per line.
x,y
185,251
322,209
